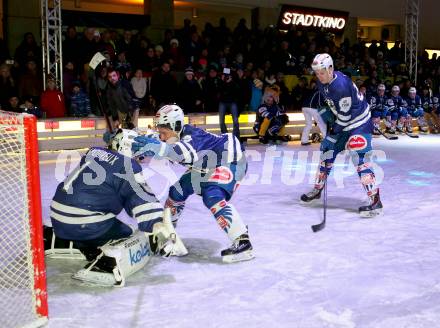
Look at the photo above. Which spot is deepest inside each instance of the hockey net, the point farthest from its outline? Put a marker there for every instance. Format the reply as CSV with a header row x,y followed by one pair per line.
x,y
23,297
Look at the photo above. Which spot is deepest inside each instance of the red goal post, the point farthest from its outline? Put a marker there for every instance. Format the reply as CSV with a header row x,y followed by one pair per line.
x,y
23,292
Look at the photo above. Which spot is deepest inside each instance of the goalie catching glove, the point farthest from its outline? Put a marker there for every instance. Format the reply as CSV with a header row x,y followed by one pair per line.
x,y
164,239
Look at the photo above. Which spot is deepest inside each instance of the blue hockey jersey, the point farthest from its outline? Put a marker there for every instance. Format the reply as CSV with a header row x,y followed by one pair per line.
x,y
429,103
349,106
203,151
395,103
413,104
85,205
378,103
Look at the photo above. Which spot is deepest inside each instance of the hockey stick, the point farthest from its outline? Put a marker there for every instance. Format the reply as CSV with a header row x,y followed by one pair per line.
x,y
388,136
411,135
321,225
97,59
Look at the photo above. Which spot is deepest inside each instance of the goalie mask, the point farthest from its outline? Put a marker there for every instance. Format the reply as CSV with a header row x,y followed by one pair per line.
x,y
122,142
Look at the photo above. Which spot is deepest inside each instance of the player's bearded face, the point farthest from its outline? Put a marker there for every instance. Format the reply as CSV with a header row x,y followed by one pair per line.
x,y
167,135
324,75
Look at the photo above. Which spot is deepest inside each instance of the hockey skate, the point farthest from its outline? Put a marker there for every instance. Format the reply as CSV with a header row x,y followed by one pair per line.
x,y
410,133
390,130
263,140
375,208
310,196
423,129
240,250
400,129
376,131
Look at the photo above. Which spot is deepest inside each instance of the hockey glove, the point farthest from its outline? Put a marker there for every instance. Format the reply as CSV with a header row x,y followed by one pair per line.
x,y
164,239
327,115
148,146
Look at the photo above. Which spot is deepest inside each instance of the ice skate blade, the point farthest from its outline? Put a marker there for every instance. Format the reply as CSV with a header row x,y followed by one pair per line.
x,y
370,214
313,201
244,256
102,279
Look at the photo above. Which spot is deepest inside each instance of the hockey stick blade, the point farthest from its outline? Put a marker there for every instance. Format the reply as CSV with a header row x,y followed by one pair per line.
x,y
387,136
319,226
411,135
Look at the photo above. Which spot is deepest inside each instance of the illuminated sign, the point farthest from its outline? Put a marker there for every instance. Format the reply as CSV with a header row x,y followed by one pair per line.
x,y
312,18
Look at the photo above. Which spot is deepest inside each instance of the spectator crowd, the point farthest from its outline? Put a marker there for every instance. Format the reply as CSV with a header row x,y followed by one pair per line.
x,y
216,70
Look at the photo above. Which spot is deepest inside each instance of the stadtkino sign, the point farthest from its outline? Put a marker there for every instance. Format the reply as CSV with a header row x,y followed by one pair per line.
x,y
312,18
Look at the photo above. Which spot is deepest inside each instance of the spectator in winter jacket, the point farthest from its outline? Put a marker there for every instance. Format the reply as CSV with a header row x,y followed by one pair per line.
x,y
163,86
211,91
7,85
52,100
80,102
229,97
30,83
189,93
29,107
139,85
119,100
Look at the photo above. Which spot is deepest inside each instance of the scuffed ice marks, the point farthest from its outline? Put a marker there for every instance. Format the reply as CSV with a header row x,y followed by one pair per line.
x,y
380,273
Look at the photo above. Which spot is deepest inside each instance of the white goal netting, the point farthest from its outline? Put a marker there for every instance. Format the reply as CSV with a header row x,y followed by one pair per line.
x,y
18,289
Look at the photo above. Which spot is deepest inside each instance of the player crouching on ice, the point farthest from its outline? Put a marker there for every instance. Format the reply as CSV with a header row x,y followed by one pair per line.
x,y
351,128
84,216
415,110
271,118
216,165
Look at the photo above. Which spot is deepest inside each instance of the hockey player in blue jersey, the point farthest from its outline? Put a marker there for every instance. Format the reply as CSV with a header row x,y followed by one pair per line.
x,y
85,207
379,109
415,110
216,164
271,117
430,107
397,111
350,128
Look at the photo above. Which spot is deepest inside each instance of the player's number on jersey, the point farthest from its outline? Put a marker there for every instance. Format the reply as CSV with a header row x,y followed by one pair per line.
x,y
68,183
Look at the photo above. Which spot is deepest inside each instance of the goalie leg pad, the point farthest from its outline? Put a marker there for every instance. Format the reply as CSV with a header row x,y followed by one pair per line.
x,y
118,260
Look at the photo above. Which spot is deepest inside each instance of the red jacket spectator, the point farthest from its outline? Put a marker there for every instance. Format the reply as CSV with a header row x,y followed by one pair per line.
x,y
52,101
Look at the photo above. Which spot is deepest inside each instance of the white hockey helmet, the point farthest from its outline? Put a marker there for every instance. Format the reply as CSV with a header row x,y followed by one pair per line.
x,y
322,61
412,90
381,87
395,89
171,117
122,141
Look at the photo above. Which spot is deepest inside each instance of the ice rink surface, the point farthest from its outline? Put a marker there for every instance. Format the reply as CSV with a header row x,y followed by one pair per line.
x,y
381,272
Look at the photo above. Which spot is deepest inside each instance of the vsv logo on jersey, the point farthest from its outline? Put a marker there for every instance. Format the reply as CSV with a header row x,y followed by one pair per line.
x,y
356,142
137,256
